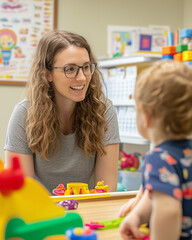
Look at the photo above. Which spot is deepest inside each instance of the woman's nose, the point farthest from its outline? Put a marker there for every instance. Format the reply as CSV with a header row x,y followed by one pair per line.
x,y
80,75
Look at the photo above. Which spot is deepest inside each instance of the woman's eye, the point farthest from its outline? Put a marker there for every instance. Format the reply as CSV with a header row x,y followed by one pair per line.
x,y
86,67
70,69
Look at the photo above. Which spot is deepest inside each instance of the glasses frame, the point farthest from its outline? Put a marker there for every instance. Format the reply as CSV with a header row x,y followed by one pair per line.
x,y
77,72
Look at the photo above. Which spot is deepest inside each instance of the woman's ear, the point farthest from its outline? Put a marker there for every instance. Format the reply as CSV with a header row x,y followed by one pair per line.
x,y
48,75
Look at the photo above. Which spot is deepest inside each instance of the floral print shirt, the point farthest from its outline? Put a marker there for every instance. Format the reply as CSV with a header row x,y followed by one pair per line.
x,y
168,169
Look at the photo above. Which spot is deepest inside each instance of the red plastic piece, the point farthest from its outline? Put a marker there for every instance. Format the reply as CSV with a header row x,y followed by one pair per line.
x,y
11,179
59,190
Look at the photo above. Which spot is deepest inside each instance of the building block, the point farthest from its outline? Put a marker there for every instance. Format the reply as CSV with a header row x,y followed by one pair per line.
x,y
168,50
181,47
167,57
187,56
186,33
177,57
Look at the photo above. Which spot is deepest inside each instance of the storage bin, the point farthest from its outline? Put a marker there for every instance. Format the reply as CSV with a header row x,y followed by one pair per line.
x,y
130,180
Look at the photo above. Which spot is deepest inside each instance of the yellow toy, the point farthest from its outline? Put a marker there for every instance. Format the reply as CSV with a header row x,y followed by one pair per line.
x,y
77,188
27,211
101,186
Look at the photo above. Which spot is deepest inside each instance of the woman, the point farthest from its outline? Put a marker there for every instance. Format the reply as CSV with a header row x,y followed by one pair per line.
x,y
66,130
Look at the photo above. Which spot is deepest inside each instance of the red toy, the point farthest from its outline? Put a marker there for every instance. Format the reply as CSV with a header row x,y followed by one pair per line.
x,y
11,179
59,190
129,160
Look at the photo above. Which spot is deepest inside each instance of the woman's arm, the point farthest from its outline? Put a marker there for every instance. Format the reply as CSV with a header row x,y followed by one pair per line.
x,y
165,222
106,168
26,161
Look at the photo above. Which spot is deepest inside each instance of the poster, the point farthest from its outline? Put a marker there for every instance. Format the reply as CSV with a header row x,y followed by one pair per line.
x,y
130,39
22,24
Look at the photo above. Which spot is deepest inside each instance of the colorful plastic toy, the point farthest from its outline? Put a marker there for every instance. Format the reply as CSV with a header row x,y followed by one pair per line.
x,y
26,211
129,160
101,186
107,224
59,190
68,204
81,234
80,188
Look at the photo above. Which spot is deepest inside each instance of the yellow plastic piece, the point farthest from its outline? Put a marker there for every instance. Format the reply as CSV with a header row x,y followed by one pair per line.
x,y
187,56
1,165
143,228
25,204
78,231
101,186
77,188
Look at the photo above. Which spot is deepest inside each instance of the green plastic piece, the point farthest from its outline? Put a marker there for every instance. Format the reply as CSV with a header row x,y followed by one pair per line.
x,y
118,54
181,48
16,227
109,224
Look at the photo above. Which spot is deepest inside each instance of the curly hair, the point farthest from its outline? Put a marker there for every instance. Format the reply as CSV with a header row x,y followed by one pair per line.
x,y
42,123
165,89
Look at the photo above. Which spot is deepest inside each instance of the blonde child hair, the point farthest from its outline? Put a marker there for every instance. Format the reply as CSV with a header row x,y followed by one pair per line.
x,y
165,90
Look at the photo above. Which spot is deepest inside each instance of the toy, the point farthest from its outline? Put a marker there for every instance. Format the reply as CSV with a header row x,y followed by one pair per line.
x,y
27,211
1,165
129,160
68,204
59,190
81,234
80,188
108,224
101,186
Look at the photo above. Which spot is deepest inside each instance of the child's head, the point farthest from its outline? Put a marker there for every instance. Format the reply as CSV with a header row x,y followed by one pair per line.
x,y
165,91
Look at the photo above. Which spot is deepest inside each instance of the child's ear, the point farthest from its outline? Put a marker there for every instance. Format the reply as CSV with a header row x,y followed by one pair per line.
x,y
147,118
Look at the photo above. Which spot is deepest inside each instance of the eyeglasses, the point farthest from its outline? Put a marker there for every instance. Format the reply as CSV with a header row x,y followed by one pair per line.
x,y
72,70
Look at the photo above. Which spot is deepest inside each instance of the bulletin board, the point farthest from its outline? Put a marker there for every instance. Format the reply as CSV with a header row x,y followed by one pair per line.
x,y
22,24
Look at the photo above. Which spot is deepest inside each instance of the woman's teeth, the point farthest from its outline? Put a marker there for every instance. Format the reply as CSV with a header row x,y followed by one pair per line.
x,y
77,88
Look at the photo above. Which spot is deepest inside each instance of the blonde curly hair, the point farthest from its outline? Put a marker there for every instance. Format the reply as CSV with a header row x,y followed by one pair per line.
x,y
165,89
42,124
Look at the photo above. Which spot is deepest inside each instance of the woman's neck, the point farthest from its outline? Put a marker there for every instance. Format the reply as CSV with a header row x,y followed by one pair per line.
x,y
65,111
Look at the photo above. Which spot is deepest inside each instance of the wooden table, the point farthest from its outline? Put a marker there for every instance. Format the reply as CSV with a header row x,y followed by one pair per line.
x,y
100,209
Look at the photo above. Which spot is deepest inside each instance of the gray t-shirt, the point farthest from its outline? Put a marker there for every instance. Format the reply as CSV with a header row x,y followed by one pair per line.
x,y
70,164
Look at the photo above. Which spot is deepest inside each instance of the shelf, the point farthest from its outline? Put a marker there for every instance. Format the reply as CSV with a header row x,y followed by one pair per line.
x,y
134,140
131,59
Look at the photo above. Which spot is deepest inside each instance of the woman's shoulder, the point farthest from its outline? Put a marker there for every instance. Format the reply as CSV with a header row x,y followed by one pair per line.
x,y
22,106
109,106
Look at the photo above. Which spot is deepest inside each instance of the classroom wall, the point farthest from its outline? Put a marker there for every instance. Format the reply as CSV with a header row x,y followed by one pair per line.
x,y
91,18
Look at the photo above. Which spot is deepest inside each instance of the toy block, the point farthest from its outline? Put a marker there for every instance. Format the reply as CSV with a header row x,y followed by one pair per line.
x,y
168,50
177,57
181,47
188,63
186,33
167,57
187,56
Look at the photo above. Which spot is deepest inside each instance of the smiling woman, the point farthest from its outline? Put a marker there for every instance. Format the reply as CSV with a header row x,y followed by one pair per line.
x,y
65,130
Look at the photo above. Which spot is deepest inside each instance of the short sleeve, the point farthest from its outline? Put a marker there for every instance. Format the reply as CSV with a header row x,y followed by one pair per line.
x,y
112,134
16,139
161,174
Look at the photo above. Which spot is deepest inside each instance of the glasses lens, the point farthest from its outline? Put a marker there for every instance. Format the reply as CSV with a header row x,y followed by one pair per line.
x,y
88,69
70,70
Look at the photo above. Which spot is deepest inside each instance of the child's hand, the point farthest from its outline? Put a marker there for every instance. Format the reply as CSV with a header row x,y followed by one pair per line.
x,y
127,207
129,228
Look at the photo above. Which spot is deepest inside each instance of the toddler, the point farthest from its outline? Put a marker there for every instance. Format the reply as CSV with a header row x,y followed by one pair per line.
x,y
163,96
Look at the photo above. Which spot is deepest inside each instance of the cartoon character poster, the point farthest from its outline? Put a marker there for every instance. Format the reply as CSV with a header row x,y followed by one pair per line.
x,y
22,24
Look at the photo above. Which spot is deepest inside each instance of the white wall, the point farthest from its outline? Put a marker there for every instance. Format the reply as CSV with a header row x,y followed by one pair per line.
x,y
91,18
